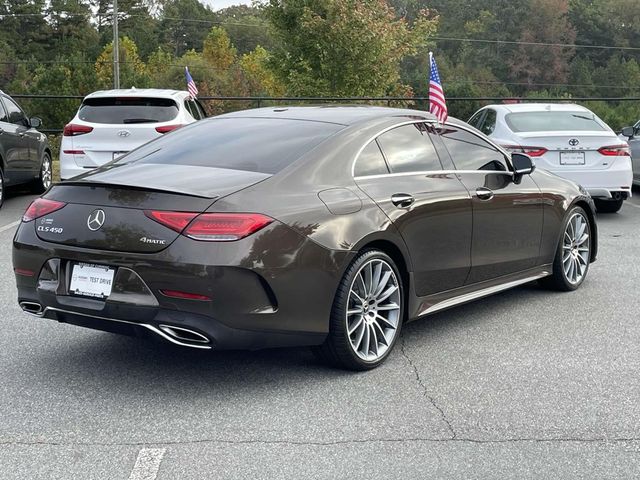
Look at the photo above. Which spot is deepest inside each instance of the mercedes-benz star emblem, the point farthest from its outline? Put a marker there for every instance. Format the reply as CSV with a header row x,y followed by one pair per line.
x,y
573,142
96,220
124,133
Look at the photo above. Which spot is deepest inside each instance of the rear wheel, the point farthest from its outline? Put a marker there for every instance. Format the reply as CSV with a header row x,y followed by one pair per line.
x,y
43,182
608,206
573,255
367,313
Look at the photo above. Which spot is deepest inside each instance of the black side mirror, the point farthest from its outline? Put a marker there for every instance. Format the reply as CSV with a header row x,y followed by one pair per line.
x,y
36,122
628,132
522,165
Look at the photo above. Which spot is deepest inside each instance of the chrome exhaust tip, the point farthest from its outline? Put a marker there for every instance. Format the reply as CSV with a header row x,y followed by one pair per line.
x,y
32,308
184,334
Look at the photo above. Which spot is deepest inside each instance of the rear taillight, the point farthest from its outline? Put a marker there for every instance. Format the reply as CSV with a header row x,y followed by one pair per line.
x,y
211,227
174,220
72,130
225,227
531,151
40,207
73,152
615,151
184,295
167,128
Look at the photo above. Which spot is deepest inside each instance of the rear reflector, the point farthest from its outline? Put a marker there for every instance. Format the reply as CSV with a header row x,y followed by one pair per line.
x,y
225,227
615,151
174,220
73,152
40,207
167,128
531,151
211,227
184,295
24,272
72,130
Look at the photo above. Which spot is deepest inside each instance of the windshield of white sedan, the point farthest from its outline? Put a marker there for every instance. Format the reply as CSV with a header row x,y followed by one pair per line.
x,y
553,122
264,145
127,110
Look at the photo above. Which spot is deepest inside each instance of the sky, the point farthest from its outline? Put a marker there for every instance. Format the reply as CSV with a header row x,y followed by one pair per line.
x,y
218,4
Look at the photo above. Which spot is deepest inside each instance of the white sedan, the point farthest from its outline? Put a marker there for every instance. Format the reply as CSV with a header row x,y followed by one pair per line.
x,y
568,140
110,123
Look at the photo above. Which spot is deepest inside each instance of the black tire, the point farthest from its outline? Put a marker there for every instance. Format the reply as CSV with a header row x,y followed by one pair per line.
x,y
608,206
337,349
2,188
558,279
42,183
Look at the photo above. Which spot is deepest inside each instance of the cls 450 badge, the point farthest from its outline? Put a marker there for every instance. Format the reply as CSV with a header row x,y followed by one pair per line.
x,y
46,225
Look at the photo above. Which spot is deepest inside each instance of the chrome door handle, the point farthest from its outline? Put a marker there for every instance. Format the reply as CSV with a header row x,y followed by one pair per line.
x,y
402,200
484,193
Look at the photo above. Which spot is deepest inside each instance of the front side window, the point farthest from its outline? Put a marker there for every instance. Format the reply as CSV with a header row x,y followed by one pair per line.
x,y
127,110
409,149
470,152
14,113
370,161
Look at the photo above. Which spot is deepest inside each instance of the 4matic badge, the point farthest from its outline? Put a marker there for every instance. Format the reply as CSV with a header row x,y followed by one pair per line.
x,y
153,241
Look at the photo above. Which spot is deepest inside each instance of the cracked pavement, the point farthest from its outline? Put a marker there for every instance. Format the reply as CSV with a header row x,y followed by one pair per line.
x,y
524,384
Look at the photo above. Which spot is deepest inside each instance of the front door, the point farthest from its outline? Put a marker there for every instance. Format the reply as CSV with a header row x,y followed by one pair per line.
x,y
430,208
507,217
15,142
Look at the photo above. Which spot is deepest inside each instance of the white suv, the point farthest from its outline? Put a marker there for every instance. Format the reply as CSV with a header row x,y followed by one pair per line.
x,y
568,140
110,123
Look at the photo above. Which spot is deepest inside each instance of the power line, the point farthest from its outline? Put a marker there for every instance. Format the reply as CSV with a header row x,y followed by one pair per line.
x,y
534,44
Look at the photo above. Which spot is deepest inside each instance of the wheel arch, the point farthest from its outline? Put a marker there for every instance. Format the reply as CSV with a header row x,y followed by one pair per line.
x,y
588,209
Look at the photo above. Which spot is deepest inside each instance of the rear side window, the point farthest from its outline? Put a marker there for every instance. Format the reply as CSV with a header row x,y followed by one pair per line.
x,y
409,149
489,124
127,110
553,121
476,119
265,145
370,161
3,113
470,152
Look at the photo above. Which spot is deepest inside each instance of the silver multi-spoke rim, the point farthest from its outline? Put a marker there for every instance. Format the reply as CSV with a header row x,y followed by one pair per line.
x,y
373,310
575,248
45,173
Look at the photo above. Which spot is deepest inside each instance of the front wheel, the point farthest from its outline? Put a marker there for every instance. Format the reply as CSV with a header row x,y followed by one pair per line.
x,y
608,206
573,255
367,313
43,182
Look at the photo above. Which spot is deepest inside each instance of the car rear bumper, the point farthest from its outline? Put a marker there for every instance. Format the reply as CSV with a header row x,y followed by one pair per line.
x,y
602,183
69,168
258,297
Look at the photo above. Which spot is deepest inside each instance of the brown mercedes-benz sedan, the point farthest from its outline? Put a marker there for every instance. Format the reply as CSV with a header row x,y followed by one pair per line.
x,y
322,226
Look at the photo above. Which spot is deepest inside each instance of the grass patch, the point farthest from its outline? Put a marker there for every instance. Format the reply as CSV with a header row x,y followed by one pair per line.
x,y
55,169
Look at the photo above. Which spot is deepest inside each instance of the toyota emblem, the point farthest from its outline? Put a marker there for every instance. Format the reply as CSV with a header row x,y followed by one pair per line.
x,y
124,133
96,220
573,142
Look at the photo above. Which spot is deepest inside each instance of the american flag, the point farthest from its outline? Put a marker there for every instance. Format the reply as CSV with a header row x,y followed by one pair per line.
x,y
191,85
437,102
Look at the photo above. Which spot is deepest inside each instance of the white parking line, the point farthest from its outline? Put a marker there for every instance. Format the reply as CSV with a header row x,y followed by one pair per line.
x,y
10,226
147,464
632,204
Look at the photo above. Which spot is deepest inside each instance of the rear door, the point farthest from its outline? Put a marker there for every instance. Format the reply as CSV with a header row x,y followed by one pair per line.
x,y
634,144
430,207
13,129
507,217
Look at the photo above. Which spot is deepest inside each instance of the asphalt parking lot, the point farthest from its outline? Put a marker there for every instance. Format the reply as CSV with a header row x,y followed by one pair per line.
x,y
524,384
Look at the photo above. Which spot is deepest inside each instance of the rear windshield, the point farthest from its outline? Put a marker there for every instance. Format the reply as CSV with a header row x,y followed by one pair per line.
x,y
553,122
125,110
253,144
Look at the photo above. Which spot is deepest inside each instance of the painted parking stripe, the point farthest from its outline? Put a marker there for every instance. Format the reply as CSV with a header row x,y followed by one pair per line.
x,y
147,464
632,204
10,226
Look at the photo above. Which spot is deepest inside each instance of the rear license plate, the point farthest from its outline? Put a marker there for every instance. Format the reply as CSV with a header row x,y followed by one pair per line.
x,y
91,280
571,158
118,154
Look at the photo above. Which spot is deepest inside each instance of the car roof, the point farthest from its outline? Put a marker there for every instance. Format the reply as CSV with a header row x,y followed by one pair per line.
x,y
539,107
339,114
138,92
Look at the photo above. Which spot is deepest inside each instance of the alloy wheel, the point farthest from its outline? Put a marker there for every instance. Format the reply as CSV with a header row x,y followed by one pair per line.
x,y
373,310
45,172
575,248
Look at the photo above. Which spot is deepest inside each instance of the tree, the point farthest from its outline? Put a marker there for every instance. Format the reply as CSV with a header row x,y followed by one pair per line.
x,y
217,49
260,79
133,71
247,27
184,25
342,47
